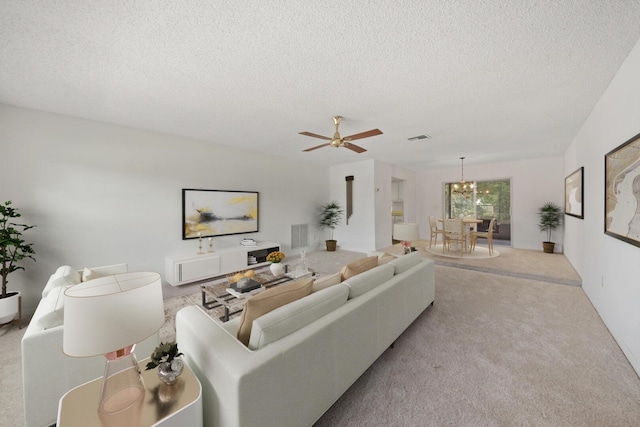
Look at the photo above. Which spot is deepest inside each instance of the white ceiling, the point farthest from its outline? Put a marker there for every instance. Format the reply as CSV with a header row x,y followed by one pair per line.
x,y
489,80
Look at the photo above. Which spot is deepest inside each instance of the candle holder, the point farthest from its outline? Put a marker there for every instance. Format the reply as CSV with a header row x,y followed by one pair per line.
x,y
200,243
210,245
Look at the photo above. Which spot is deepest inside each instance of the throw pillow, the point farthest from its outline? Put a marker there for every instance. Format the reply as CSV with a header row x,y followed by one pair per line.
x,y
325,282
88,274
64,276
385,258
358,266
269,300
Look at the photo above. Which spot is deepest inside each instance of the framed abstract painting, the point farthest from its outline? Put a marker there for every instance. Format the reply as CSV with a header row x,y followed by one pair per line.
x,y
622,192
574,194
208,213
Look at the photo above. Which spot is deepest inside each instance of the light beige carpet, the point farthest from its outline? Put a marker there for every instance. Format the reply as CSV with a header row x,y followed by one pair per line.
x,y
497,351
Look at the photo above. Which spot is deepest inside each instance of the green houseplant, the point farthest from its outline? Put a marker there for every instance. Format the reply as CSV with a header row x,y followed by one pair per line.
x,y
550,216
13,249
330,215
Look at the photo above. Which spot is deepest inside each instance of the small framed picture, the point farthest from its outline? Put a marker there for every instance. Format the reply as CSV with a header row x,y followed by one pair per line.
x,y
574,194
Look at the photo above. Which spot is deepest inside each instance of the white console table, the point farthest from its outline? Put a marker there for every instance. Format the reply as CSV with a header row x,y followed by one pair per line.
x,y
183,269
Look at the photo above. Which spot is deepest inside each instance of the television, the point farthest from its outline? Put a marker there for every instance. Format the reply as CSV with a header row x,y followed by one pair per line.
x,y
209,213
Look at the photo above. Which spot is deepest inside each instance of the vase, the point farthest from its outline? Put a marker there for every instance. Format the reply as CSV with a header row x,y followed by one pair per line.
x,y
168,372
277,269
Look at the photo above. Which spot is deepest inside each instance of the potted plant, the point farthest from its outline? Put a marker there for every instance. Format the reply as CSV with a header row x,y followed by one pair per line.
x,y
550,217
330,215
13,249
165,358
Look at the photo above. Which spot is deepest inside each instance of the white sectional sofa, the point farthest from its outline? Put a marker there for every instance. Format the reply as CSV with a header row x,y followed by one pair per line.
x,y
48,373
304,355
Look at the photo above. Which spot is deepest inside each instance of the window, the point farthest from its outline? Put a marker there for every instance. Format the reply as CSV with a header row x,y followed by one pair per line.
x,y
490,199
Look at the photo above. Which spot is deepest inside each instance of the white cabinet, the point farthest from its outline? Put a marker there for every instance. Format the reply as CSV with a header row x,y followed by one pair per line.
x,y
182,269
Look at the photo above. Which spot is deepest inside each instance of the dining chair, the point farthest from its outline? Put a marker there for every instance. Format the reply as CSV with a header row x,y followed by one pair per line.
x,y
484,235
435,231
454,233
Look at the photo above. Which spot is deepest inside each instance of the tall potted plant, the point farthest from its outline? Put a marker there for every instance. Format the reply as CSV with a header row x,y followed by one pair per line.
x,y
550,216
13,249
330,215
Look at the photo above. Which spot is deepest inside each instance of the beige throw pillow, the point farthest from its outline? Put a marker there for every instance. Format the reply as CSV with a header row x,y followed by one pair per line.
x,y
358,266
326,282
385,258
269,300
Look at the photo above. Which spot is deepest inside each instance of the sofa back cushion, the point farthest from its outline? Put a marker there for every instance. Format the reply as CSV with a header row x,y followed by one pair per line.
x,y
63,277
405,262
358,266
51,308
266,301
293,316
368,280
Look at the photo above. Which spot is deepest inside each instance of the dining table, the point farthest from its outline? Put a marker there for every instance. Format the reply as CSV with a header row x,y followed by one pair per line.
x,y
471,224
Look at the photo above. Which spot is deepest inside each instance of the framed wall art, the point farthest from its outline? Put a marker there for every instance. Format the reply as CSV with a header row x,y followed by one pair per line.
x,y
208,213
622,192
574,194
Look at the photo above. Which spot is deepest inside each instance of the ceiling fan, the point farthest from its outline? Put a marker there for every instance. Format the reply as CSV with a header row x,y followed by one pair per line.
x,y
337,141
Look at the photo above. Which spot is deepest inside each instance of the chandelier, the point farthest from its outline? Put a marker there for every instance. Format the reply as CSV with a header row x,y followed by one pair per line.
x,y
463,188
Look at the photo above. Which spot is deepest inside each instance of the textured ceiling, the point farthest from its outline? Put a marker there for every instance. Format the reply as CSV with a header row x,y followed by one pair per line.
x,y
489,80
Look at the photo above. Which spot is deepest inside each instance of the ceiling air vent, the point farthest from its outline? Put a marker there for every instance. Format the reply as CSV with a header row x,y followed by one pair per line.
x,y
419,138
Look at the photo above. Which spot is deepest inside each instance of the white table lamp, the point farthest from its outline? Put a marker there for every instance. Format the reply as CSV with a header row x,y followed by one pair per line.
x,y
108,316
406,232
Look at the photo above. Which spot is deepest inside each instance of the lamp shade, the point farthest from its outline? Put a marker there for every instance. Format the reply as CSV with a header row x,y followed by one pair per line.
x,y
112,312
406,231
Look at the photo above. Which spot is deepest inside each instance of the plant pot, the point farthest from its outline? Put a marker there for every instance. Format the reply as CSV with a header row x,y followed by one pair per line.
x,y
9,307
548,247
331,245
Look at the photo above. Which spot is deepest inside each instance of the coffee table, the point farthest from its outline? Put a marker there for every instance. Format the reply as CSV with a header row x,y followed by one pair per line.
x,y
218,295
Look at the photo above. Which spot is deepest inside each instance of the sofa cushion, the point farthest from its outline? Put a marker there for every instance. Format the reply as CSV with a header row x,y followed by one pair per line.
x,y
368,280
358,266
269,300
107,270
64,276
289,318
52,310
325,282
405,262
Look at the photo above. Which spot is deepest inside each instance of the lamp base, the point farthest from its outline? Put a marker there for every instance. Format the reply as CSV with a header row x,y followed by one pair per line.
x,y
122,385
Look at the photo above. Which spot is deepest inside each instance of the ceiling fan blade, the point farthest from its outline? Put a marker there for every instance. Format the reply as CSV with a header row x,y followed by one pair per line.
x,y
316,147
354,147
367,134
315,135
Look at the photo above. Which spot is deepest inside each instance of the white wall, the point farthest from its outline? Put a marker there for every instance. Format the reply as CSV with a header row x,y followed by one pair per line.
x,y
359,234
533,182
610,268
102,194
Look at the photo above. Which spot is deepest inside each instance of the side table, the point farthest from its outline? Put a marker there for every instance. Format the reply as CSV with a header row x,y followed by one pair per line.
x,y
178,405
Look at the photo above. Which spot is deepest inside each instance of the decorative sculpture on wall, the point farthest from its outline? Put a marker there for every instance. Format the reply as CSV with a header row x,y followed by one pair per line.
x,y
349,180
